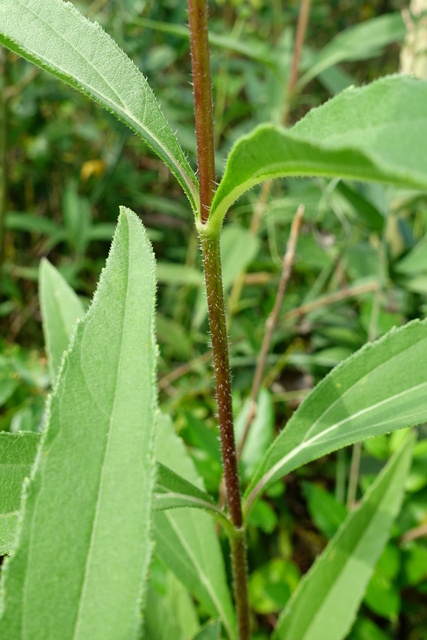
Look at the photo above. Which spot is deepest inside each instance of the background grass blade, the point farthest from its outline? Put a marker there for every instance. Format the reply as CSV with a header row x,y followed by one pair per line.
x,y
378,132
87,521
325,603
17,454
55,36
60,308
367,395
185,538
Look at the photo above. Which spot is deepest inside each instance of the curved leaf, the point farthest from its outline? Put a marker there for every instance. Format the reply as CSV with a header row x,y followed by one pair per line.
x,y
60,309
324,605
380,388
174,492
378,132
53,35
76,571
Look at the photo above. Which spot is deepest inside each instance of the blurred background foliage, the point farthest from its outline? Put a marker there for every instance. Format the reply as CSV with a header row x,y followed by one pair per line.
x,y
360,266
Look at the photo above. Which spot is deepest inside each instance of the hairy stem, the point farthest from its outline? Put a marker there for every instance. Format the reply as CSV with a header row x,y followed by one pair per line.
x,y
200,62
210,242
218,327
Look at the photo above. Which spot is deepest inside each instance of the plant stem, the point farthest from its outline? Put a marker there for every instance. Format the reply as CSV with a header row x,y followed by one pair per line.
x,y
200,62
210,242
218,327
217,321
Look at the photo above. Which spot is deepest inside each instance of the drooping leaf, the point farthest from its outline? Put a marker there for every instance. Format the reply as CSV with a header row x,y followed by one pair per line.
x,y
185,538
80,564
377,132
53,35
17,454
379,389
325,602
60,309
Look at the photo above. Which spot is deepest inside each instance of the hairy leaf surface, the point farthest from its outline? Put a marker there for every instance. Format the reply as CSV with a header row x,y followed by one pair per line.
x,y
17,454
79,568
380,388
325,602
378,132
53,35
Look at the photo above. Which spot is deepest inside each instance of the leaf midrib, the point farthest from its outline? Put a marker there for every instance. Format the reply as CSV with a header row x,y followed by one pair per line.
x,y
104,464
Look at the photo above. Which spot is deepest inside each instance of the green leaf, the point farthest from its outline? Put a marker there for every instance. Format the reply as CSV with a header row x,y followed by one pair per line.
x,y
325,603
362,41
60,309
79,568
325,510
169,615
378,133
53,35
185,538
209,632
261,432
174,492
379,389
17,454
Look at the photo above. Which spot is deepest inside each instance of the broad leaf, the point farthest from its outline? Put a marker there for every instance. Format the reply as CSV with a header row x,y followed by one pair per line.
x,y
185,538
53,35
378,132
324,605
17,454
60,308
380,388
80,565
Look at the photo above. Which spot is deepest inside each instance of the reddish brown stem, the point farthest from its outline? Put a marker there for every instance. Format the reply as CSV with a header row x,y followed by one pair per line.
x,y
218,327
200,61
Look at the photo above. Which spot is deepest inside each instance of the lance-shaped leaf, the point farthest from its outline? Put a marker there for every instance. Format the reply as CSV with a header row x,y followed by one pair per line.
x,y
53,35
185,538
174,492
325,603
378,132
80,564
17,454
380,388
60,309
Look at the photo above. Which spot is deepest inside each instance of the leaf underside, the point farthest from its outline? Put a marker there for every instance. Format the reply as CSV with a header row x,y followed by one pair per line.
x,y
76,572
377,132
53,35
